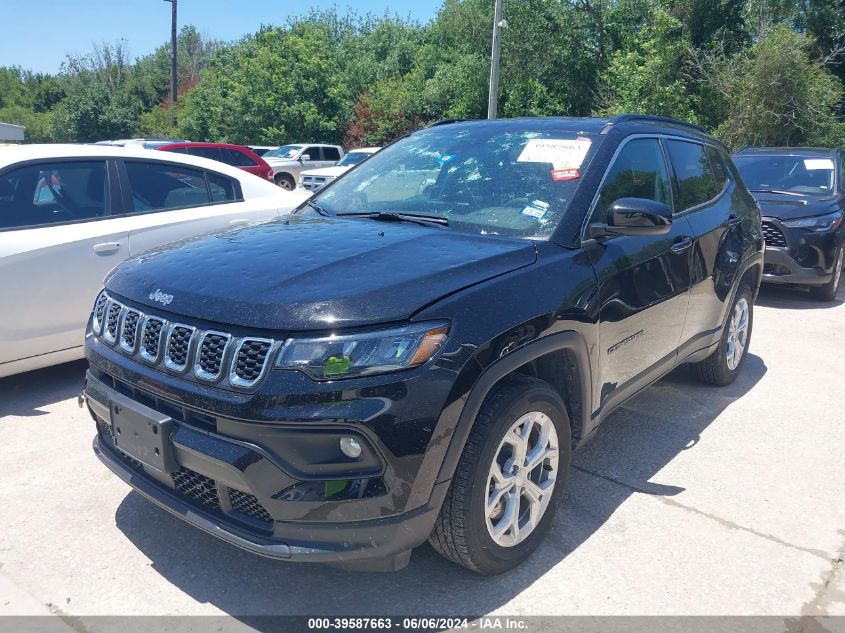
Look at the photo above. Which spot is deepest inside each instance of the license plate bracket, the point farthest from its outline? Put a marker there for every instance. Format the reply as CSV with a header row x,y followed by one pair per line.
x,y
143,434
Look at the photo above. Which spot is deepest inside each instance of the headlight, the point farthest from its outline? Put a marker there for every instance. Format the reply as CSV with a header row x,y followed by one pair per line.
x,y
827,222
348,355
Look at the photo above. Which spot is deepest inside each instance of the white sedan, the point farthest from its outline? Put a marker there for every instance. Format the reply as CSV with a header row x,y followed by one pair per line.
x,y
70,213
315,179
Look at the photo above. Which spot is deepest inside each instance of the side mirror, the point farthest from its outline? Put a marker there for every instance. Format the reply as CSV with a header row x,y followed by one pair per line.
x,y
635,216
303,157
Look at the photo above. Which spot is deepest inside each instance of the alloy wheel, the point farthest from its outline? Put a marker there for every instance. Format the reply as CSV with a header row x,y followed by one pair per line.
x,y
521,479
737,333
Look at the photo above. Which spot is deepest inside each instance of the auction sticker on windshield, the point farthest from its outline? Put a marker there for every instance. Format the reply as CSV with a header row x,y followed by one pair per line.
x,y
561,153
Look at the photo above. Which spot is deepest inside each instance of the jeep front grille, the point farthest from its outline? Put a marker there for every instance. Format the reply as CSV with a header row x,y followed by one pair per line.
x,y
208,355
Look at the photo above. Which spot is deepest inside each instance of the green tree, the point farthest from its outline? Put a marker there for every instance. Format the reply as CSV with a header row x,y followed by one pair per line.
x,y
649,76
776,93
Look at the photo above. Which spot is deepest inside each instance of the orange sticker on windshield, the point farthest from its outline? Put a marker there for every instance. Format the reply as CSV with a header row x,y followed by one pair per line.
x,y
565,174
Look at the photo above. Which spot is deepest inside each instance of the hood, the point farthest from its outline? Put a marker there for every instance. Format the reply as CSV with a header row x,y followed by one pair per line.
x,y
276,162
331,172
316,273
789,207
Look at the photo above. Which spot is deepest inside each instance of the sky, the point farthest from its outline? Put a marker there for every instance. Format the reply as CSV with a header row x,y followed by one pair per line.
x,y
38,35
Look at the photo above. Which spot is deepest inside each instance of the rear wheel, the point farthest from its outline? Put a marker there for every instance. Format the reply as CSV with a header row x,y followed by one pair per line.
x,y
510,480
723,365
285,181
828,291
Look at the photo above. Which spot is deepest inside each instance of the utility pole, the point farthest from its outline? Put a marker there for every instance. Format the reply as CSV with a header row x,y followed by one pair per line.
x,y
498,25
174,88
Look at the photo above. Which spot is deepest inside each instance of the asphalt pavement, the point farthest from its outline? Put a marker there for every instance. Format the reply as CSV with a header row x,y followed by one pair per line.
x,y
690,500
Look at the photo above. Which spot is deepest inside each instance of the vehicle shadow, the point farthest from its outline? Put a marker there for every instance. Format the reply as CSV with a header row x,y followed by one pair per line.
x,y
25,394
795,297
632,446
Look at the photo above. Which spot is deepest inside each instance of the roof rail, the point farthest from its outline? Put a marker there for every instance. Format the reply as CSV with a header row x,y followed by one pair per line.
x,y
650,118
445,122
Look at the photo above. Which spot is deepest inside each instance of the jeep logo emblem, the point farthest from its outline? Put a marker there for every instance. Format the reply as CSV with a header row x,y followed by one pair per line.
x,y
159,297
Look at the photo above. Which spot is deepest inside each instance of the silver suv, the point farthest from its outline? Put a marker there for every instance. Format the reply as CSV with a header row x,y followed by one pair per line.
x,y
290,160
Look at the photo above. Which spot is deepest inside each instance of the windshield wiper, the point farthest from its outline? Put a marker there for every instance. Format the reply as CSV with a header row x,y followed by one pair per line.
x,y
392,216
783,193
317,207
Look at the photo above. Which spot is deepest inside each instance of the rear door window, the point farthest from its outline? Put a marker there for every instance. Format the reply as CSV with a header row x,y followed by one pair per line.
x,y
160,186
695,175
53,193
236,158
206,152
331,153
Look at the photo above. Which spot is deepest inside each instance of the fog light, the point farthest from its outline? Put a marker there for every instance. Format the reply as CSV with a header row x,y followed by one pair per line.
x,y
350,447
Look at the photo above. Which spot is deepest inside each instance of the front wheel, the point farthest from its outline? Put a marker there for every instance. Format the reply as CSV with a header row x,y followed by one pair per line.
x,y
286,182
722,366
828,291
510,479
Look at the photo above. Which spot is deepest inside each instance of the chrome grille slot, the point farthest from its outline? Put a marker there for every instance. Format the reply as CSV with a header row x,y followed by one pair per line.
x,y
99,312
211,351
129,331
250,361
178,347
112,323
151,339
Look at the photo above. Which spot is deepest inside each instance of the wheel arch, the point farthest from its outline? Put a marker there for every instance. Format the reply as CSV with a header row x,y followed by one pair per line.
x,y
561,359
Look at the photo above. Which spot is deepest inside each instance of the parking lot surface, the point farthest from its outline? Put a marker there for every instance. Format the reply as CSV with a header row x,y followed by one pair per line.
x,y
690,500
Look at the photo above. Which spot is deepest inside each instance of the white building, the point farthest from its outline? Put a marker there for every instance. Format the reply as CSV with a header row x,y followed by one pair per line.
x,y
9,132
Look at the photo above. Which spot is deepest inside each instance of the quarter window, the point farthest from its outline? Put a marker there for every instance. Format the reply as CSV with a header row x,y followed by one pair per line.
x,y
52,193
696,177
222,189
639,171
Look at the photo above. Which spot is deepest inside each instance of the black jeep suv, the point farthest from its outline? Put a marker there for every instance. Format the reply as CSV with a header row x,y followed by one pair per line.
x,y
802,197
413,354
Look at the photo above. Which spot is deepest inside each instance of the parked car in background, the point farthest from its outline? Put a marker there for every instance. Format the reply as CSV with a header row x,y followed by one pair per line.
x,y
146,143
316,179
802,197
235,155
263,149
414,353
289,161
71,213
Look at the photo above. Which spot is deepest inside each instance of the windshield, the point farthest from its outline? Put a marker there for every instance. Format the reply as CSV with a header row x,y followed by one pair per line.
x,y
286,151
805,175
353,158
489,179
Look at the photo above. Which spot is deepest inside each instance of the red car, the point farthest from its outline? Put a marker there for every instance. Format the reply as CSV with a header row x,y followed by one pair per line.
x,y
235,155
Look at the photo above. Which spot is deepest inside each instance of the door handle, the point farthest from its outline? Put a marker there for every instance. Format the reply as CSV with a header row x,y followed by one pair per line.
x,y
681,244
106,247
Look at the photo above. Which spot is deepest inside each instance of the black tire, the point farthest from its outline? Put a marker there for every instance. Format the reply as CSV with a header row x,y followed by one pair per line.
x,y
285,181
460,532
714,369
828,291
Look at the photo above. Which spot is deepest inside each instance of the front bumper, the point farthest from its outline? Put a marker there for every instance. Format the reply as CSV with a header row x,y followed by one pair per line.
x,y
223,486
807,258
